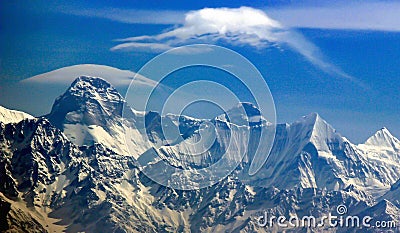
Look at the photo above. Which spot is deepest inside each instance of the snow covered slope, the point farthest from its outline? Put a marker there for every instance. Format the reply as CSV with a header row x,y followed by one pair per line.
x,y
382,142
49,183
383,138
12,116
393,195
92,111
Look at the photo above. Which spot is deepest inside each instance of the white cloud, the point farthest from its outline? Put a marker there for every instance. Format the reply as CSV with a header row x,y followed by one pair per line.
x,y
66,75
240,26
131,16
137,46
352,15
376,16
236,26
248,26
37,94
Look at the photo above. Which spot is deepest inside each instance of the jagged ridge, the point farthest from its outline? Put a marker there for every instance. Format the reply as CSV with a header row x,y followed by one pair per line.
x,y
92,188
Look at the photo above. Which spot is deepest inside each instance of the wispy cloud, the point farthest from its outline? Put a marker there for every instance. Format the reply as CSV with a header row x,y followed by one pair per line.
x,y
66,75
137,46
376,16
352,15
131,16
253,27
242,26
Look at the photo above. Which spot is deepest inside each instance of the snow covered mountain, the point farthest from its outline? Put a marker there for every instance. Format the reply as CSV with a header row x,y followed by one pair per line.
x,y
91,111
311,154
50,184
383,138
381,146
12,116
308,154
45,88
71,170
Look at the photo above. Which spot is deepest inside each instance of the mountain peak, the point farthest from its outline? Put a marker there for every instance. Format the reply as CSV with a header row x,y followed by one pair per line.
x,y
383,138
89,100
319,132
244,113
250,108
94,81
312,118
94,87
312,121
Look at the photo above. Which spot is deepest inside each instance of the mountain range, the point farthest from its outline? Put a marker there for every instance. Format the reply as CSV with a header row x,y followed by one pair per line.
x,y
75,169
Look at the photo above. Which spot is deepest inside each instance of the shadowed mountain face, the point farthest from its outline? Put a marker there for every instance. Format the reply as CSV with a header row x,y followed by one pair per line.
x,y
91,111
71,170
90,101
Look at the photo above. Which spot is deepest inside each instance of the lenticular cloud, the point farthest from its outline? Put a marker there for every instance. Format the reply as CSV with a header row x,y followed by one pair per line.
x,y
244,26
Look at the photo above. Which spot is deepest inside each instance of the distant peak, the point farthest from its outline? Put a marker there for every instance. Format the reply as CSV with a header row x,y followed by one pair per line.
x,y
383,137
311,117
249,108
243,113
319,132
383,132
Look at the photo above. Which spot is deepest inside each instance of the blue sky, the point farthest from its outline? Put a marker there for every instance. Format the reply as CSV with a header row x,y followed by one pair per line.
x,y
340,60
